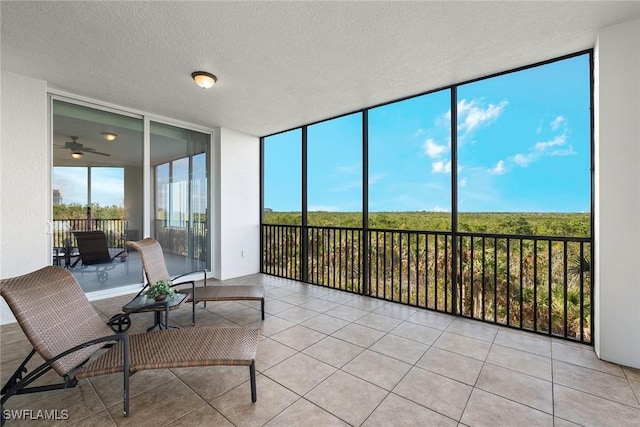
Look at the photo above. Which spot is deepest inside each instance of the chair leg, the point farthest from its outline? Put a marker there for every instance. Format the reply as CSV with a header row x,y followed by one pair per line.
x,y
126,374
262,307
252,375
193,311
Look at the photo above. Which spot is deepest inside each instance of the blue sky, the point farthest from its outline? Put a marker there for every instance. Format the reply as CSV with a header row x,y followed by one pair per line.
x,y
523,146
107,188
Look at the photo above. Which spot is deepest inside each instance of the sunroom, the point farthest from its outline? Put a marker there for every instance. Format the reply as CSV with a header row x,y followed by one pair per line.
x,y
190,167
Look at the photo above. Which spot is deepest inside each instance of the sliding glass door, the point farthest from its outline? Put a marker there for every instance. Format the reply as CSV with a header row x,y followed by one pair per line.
x,y
180,215
97,194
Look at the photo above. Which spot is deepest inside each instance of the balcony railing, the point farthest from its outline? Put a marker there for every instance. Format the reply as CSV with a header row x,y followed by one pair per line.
x,y
114,229
536,283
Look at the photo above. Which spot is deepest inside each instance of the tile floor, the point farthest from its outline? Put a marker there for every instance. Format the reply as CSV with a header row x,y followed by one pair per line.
x,y
330,358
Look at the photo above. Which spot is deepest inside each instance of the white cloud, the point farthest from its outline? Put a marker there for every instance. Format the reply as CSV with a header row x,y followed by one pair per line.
x,y
441,166
499,168
472,114
523,159
348,169
462,182
565,152
324,208
558,140
376,177
432,149
419,132
555,123
439,209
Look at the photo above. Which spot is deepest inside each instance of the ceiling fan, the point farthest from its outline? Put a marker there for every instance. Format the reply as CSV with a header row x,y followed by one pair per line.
x,y
78,150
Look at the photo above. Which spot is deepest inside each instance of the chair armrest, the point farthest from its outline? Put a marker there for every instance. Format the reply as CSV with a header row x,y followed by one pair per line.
x,y
204,272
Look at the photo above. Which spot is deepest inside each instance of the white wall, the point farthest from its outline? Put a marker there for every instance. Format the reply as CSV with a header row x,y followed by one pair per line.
x,y
24,179
617,194
239,187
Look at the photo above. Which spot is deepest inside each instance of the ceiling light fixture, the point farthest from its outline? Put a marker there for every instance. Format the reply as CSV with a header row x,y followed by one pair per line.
x,y
109,136
77,154
203,79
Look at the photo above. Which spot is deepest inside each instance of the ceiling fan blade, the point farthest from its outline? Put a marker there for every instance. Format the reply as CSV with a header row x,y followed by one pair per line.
x,y
93,151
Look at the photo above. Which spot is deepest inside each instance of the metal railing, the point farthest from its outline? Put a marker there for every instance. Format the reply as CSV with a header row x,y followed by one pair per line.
x,y
114,229
537,283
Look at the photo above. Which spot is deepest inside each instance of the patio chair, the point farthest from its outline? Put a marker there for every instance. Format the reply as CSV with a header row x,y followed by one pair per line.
x,y
94,255
155,269
67,332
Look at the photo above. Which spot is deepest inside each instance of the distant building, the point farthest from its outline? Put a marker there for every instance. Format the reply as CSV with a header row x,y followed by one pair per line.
x,y
57,197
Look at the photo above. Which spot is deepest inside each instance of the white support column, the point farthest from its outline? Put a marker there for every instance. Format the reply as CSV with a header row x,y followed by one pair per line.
x,y
617,194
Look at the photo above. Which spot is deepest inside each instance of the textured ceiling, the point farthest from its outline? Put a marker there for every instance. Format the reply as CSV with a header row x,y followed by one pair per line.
x,y
284,64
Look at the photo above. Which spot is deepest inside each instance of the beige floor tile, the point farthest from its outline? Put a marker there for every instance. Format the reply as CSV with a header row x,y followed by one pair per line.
x,y
325,324
298,337
586,409
632,373
347,313
109,387
438,393
302,413
333,351
559,422
521,388
378,321
415,332
473,329
243,316
270,353
359,335
80,402
635,385
486,409
397,311
297,314
432,319
521,361
297,298
347,397
274,306
396,411
300,373
271,325
101,419
319,305
365,303
400,348
236,405
338,296
463,345
205,415
378,369
522,341
583,356
594,382
175,398
209,382
451,365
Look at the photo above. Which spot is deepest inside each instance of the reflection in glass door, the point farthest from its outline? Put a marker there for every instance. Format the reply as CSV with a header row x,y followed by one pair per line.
x,y
97,194
179,164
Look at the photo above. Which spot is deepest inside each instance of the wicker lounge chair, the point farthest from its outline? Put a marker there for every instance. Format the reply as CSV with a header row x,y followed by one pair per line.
x,y
94,255
155,269
67,332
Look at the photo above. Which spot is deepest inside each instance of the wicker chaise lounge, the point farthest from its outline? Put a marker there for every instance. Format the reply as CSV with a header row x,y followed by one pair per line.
x,y
155,269
67,332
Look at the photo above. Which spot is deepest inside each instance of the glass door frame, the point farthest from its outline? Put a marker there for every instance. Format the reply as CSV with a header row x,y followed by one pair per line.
x,y
147,183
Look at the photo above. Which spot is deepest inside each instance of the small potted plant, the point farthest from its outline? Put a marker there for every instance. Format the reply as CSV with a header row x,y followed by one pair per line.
x,y
160,290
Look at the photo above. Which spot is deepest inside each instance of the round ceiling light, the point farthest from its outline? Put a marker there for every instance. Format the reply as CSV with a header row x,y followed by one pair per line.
x,y
109,136
203,79
77,154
